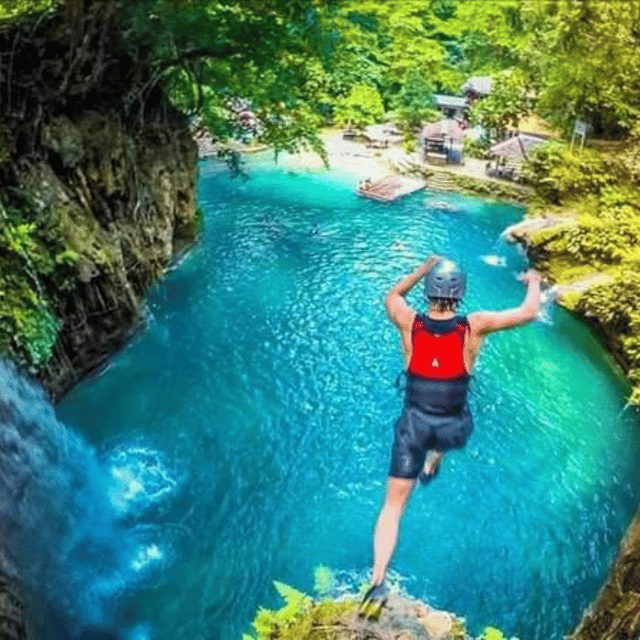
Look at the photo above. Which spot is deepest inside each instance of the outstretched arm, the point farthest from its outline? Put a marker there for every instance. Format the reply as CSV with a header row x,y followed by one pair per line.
x,y
485,322
397,308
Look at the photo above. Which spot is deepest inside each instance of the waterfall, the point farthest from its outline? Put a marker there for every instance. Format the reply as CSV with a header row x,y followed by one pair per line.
x,y
72,523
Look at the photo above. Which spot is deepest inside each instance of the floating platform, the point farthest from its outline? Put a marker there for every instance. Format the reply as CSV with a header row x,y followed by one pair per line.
x,y
391,188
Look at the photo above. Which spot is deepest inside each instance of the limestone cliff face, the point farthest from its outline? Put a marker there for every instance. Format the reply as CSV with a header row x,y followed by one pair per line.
x,y
124,203
95,166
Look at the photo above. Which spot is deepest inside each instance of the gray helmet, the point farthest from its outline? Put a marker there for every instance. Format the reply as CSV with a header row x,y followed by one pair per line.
x,y
445,280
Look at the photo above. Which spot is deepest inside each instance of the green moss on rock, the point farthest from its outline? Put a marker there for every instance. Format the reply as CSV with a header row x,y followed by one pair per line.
x,y
492,188
403,618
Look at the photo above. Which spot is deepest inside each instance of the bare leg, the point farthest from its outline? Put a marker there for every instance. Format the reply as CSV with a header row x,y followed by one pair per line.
x,y
386,533
432,462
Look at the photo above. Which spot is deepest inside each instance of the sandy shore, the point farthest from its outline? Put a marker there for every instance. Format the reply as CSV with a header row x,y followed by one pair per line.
x,y
344,155
347,156
355,159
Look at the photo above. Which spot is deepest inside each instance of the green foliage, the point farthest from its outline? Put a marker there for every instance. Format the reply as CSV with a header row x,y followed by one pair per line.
x,y
409,144
483,37
584,57
291,60
477,148
491,633
506,103
17,10
249,70
604,237
559,174
324,581
300,618
615,305
491,188
33,267
414,103
571,299
363,106
597,239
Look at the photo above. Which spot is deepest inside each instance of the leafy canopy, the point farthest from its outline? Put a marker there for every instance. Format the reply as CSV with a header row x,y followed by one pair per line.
x,y
505,105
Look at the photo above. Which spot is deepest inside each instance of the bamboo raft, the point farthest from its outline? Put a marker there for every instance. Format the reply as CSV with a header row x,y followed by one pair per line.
x,y
390,188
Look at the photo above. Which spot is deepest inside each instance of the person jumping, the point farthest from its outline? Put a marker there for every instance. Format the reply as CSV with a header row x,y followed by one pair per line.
x,y
439,349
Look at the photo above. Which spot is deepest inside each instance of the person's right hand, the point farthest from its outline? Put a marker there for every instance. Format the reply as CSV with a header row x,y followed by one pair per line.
x,y
530,276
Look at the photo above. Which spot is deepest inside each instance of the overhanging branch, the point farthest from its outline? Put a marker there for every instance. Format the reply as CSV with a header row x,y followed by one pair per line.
x,y
204,52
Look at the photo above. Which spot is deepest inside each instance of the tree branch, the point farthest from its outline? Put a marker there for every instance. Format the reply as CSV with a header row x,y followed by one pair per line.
x,y
204,52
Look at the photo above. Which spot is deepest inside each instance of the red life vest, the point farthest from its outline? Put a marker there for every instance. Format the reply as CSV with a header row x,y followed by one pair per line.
x,y
438,348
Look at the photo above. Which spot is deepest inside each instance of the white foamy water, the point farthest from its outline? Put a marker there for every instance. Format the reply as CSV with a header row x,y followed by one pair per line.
x,y
494,260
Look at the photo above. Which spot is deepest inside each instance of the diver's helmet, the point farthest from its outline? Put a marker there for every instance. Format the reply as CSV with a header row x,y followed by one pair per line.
x,y
445,280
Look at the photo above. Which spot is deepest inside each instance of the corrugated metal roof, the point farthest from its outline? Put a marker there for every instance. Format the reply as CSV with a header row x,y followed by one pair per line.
x,y
479,84
453,102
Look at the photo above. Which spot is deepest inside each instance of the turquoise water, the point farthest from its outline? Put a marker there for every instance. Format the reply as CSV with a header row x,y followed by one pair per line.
x,y
264,384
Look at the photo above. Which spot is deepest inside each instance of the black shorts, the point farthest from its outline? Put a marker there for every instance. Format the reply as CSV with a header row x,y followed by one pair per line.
x,y
417,432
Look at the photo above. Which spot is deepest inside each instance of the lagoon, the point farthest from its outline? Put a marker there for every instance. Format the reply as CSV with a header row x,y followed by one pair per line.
x,y
263,386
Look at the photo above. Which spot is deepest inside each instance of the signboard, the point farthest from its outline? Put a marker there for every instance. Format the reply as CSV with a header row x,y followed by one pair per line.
x,y
580,128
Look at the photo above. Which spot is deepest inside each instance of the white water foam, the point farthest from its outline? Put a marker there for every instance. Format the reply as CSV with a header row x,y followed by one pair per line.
x,y
494,260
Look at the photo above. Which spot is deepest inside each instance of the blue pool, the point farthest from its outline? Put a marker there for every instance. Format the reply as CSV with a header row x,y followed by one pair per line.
x,y
263,386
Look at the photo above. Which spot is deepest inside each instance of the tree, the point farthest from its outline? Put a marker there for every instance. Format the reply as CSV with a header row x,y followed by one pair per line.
x,y
361,107
505,105
585,59
414,103
235,58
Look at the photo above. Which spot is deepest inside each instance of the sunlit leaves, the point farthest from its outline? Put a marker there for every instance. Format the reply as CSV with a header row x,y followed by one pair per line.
x,y
506,103
11,10
361,107
587,59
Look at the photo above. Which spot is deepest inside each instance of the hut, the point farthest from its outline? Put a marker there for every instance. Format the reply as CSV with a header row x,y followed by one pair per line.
x,y
511,153
451,106
442,142
477,87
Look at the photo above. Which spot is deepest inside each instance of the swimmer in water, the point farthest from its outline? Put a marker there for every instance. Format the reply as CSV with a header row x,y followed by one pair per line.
x,y
439,349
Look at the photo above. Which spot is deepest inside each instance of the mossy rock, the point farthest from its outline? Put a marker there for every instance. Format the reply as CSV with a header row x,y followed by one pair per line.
x,y
540,237
82,234
570,300
565,268
492,188
62,137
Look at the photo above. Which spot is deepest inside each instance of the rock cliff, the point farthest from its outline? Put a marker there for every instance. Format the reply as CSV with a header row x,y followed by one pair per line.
x,y
123,202
97,169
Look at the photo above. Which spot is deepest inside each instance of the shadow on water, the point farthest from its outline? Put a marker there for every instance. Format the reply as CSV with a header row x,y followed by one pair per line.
x,y
74,525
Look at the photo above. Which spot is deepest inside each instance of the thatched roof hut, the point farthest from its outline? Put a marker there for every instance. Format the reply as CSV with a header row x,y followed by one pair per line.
x,y
447,129
516,149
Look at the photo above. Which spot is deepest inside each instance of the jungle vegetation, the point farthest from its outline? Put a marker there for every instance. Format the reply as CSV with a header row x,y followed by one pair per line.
x,y
277,72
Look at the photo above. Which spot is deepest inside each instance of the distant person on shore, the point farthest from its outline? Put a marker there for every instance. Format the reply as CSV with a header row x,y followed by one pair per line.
x,y
439,349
